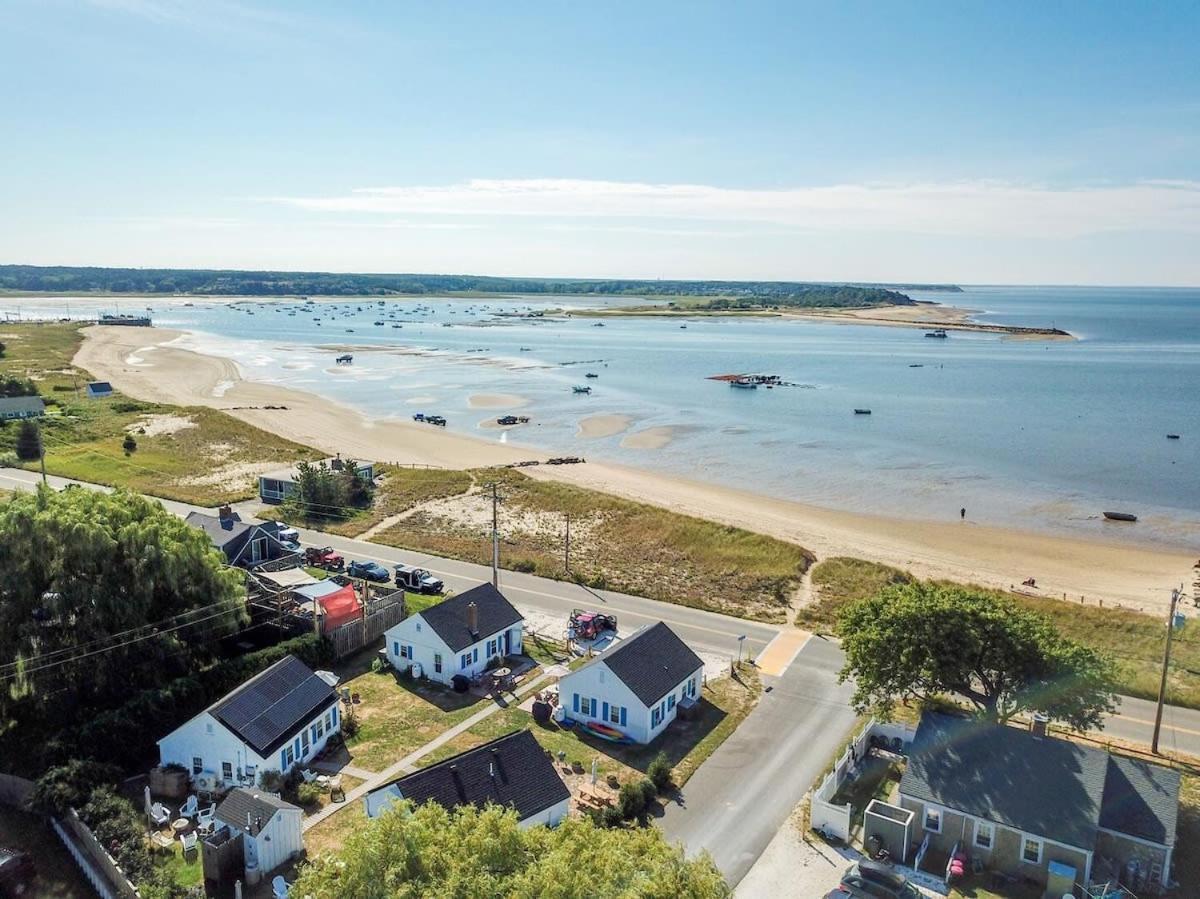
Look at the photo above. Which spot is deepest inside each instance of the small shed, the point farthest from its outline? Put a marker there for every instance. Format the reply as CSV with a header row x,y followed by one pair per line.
x,y
21,407
269,827
98,390
223,857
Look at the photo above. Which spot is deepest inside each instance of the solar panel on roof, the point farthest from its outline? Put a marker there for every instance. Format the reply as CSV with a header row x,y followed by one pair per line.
x,y
275,704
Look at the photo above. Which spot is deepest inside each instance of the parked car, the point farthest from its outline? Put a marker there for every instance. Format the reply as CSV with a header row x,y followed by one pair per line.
x,y
871,880
369,571
325,558
288,536
417,580
16,871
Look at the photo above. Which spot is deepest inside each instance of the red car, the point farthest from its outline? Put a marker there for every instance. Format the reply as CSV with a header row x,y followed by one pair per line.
x,y
324,558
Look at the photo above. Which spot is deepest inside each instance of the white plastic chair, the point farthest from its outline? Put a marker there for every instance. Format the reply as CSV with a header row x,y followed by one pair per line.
x,y
205,820
279,887
160,814
189,841
191,808
309,776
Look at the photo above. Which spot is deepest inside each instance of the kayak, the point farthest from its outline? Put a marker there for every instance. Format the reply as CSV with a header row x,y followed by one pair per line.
x,y
604,732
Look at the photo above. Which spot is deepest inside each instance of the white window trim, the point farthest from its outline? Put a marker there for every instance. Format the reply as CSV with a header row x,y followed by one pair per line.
x,y
941,817
991,829
1041,844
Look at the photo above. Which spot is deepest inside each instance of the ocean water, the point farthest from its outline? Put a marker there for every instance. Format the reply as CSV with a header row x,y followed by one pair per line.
x,y
1042,435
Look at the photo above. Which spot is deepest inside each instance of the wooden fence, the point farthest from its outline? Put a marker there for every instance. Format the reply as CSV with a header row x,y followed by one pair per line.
x,y
354,635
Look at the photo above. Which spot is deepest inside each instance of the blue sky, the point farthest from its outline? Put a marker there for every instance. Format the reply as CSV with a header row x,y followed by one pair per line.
x,y
979,143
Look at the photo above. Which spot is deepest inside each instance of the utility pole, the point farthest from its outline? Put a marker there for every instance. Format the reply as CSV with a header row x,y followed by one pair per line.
x,y
1162,684
567,547
495,537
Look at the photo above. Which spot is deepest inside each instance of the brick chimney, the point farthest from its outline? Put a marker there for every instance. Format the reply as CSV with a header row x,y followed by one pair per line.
x,y
473,619
225,513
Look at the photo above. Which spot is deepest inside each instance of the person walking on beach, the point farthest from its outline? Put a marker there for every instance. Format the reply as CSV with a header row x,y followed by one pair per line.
x,y
962,513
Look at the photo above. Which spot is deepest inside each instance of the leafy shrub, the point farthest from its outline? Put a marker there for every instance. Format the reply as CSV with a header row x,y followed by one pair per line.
x,y
308,795
378,665
527,566
70,785
129,406
611,817
271,781
649,792
631,802
349,723
659,772
129,444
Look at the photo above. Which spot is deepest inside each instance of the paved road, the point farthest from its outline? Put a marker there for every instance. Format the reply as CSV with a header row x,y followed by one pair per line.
x,y
734,804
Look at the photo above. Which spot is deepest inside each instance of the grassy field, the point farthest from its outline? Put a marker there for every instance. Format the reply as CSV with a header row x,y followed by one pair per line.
x,y
1134,639
190,454
616,544
57,875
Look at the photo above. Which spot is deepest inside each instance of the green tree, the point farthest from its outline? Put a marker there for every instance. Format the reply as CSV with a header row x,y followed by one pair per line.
x,y
435,854
921,640
29,441
129,444
10,387
115,576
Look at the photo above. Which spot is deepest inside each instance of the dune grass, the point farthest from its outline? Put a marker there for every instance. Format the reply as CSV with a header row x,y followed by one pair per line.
x,y
211,458
617,544
399,490
1134,639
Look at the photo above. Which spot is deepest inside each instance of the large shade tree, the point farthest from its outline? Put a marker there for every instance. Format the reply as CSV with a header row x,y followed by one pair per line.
x,y
432,853
102,593
921,640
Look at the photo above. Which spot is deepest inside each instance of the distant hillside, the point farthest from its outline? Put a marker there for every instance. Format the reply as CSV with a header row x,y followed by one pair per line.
x,y
202,282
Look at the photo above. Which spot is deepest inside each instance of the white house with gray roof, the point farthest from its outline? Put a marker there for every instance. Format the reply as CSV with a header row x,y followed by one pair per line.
x,y
457,636
637,685
22,407
271,829
1029,804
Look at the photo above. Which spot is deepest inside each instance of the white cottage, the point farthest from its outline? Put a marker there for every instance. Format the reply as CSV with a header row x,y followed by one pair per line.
x,y
271,829
513,771
457,636
636,686
274,721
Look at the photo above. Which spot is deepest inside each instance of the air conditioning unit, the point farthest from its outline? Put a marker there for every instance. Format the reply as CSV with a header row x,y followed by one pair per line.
x,y
206,781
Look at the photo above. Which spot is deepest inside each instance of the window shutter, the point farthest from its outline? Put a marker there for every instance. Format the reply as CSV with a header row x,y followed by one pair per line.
x,y
622,716
283,760
605,715
333,711
575,702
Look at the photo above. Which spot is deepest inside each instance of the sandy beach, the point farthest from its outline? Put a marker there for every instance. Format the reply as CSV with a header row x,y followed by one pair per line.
x,y
143,364
649,438
596,426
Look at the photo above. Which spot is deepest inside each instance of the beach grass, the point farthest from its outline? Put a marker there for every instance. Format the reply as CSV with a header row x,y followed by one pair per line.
x,y
1133,638
616,544
191,454
398,491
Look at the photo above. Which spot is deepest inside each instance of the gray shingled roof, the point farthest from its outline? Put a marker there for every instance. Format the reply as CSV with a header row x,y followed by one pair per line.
x,y
513,771
651,662
449,617
254,806
230,534
1141,799
1039,785
23,404
268,709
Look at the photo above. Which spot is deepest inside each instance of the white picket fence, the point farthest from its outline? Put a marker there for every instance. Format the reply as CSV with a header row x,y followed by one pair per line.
x,y
834,820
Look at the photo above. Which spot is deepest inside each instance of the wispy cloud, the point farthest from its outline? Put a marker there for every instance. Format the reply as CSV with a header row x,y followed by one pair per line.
x,y
969,207
226,14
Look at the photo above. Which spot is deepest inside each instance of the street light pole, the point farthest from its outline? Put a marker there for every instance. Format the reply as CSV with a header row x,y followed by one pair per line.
x,y
567,547
1162,684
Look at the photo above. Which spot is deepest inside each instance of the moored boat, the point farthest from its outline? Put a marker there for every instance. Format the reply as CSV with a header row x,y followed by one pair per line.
x,y
862,411
581,388
1120,516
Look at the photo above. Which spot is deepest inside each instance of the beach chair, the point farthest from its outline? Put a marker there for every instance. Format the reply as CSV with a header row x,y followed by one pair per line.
x,y
160,814
189,841
279,887
191,808
309,776
205,819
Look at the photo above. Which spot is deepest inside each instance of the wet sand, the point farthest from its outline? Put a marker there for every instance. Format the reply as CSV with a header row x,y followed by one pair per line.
x,y
596,426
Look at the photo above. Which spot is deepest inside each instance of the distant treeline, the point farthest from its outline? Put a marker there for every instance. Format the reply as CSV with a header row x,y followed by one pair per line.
x,y
203,282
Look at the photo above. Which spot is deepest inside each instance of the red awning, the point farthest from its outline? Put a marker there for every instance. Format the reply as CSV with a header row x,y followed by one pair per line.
x,y
339,608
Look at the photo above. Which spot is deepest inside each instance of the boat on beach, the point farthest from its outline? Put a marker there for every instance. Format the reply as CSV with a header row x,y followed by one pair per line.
x,y
581,388
1120,516
344,359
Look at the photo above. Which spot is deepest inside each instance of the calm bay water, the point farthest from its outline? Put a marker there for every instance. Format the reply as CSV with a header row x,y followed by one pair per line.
x,y
1037,434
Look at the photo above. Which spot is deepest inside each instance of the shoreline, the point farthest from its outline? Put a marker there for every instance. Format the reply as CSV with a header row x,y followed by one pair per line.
x,y
144,365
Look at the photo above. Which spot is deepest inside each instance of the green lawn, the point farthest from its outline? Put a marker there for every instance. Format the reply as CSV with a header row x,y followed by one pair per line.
x,y
1134,639
58,877
396,715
